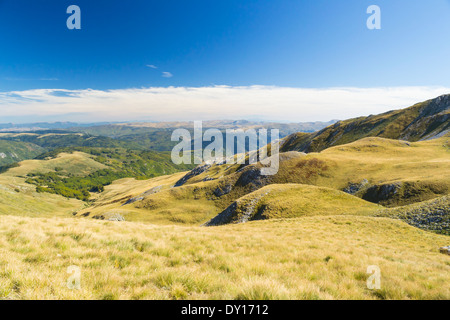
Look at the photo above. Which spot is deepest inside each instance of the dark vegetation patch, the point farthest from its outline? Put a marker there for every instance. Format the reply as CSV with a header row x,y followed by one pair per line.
x,y
121,164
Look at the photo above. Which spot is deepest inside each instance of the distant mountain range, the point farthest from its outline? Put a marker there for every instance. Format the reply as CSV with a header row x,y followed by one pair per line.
x,y
119,129
23,127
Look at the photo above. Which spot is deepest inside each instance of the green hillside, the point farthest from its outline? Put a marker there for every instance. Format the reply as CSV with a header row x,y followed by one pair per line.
x,y
15,151
99,167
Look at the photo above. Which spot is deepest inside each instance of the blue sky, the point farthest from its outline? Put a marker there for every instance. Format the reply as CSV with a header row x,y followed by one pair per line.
x,y
202,43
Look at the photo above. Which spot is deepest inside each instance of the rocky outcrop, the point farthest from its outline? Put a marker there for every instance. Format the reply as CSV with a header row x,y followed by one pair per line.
x,y
404,193
354,188
195,172
382,193
143,195
432,215
251,176
240,211
224,217
223,190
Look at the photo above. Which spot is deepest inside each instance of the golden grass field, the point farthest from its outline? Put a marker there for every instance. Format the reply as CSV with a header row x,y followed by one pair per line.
x,y
305,258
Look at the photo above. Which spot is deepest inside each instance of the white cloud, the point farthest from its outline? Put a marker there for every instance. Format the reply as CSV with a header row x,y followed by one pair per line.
x,y
207,103
152,66
167,75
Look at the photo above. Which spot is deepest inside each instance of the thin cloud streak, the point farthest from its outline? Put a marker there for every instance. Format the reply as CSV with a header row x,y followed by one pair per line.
x,y
206,103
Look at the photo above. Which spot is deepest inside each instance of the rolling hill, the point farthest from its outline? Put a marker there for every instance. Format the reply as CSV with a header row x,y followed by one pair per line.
x,y
405,173
289,201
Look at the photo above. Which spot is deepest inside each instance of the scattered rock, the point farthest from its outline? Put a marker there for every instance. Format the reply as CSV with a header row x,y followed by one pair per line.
x,y
110,217
252,175
445,250
195,172
223,190
432,215
143,195
116,217
354,188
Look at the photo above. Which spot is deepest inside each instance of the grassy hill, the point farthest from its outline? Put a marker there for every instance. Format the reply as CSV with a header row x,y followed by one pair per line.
x,y
306,258
21,199
76,163
292,201
426,120
67,175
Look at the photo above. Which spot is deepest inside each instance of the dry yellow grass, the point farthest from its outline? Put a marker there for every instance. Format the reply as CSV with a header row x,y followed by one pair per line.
x,y
304,258
384,161
168,210
21,199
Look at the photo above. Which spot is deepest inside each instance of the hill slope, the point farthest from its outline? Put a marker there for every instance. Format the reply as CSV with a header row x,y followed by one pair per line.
x,y
426,120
